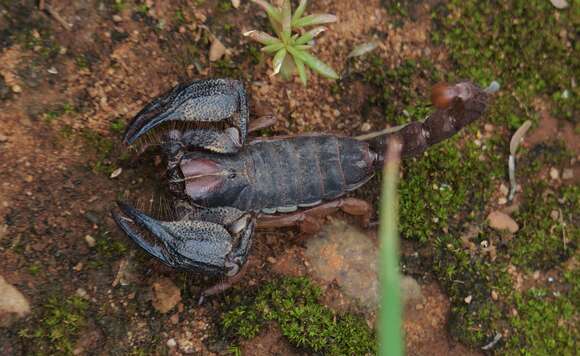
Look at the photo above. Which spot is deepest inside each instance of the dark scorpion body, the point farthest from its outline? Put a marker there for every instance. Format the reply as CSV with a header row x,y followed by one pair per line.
x,y
225,186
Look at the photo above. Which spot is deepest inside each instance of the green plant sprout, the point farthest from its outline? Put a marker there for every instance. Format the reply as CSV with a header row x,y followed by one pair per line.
x,y
291,48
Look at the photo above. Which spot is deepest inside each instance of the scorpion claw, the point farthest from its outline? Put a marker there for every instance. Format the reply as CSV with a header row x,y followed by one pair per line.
x,y
202,101
203,246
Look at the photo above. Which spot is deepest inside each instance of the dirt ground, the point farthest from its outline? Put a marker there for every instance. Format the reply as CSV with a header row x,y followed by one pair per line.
x,y
65,96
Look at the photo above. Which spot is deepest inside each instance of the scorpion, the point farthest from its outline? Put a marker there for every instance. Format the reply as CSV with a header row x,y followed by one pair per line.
x,y
226,185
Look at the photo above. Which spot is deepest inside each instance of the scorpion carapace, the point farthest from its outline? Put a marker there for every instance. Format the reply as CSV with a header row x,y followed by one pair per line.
x,y
224,187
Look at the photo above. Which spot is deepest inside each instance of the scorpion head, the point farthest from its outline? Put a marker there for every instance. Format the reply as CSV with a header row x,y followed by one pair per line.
x,y
218,243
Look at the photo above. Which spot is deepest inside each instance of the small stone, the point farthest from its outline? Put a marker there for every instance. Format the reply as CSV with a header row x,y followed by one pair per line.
x,y
171,343
165,295
13,304
117,172
410,290
81,292
92,217
90,240
494,295
468,299
365,127
78,267
554,173
501,221
567,173
117,18
217,50
17,88
503,189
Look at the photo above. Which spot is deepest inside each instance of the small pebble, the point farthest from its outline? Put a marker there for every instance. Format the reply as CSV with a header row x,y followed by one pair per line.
x,y
566,173
171,343
551,279
554,173
117,18
365,127
16,88
494,295
217,50
468,299
501,221
81,292
90,240
117,172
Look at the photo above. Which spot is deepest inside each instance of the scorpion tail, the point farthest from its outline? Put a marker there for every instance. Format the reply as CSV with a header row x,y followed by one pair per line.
x,y
456,105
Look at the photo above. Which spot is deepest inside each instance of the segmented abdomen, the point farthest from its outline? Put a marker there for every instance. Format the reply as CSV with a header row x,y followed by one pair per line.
x,y
303,171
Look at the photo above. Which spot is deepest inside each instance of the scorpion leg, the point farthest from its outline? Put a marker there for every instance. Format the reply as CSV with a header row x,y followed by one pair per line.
x,y
308,220
209,101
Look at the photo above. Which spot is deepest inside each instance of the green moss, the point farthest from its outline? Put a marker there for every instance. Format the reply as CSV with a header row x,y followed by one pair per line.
x,y
527,45
293,304
544,325
108,247
118,126
59,110
545,240
396,91
102,148
444,182
59,325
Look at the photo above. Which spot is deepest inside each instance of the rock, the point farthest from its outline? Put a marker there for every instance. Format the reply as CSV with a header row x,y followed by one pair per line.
x,y
171,343
117,172
165,295
13,304
560,4
16,88
566,174
468,299
501,221
410,290
554,173
217,50
117,18
92,217
90,240
344,254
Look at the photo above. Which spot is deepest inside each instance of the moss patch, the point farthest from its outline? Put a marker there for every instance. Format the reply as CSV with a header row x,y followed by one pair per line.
x,y
59,326
550,230
293,304
527,45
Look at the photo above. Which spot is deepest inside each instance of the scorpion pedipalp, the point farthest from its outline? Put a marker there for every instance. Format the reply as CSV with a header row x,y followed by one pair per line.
x,y
218,246
201,101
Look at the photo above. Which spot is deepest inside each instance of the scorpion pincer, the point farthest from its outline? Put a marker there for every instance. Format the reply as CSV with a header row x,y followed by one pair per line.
x,y
225,185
